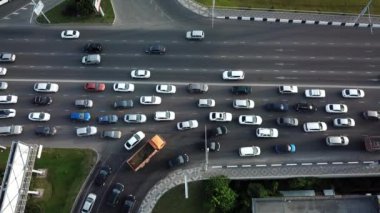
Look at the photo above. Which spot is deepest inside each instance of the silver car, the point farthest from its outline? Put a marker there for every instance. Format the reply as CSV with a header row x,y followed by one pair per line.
x,y
89,203
135,118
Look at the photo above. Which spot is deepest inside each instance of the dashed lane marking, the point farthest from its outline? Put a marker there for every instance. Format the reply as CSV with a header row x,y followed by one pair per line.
x,y
337,163
322,163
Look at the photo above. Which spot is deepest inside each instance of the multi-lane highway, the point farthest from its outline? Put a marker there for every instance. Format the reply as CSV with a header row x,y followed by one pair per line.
x,y
270,54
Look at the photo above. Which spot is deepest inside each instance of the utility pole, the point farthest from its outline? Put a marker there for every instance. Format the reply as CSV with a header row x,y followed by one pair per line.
x,y
365,9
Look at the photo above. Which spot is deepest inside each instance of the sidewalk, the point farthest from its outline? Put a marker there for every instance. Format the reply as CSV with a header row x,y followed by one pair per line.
x,y
241,172
207,12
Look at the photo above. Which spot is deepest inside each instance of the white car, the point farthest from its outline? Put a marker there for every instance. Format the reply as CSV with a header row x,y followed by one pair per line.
x,y
3,85
3,71
266,132
344,122
7,113
288,89
7,57
123,87
243,104
8,99
164,116
336,108
39,116
140,74
220,116
250,120
337,140
150,100
233,75
315,93
353,93
86,131
46,87
206,103
89,203
185,125
195,35
249,151
166,88
315,126
135,118
134,140
70,34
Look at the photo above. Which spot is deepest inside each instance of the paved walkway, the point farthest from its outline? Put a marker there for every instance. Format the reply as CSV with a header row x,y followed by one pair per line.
x,y
370,168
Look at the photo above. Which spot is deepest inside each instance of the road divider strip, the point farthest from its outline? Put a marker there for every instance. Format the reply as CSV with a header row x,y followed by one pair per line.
x,y
300,21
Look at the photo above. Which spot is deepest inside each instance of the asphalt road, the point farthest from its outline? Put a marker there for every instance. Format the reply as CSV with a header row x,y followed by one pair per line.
x,y
270,54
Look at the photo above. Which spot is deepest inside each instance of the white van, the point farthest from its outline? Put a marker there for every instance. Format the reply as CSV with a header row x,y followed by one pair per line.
x,y
10,130
195,35
91,59
249,151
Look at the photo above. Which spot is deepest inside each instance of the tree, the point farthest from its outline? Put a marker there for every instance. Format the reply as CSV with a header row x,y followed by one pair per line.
x,y
257,190
85,7
222,197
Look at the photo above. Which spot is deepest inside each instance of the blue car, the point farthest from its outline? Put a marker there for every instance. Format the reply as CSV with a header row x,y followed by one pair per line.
x,y
80,116
107,119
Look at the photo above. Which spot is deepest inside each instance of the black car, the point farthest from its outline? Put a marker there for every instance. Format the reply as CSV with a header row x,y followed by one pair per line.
x,y
129,203
213,146
277,107
287,121
241,90
181,159
42,100
197,88
45,130
110,134
156,49
114,195
93,48
123,104
102,176
284,148
218,131
107,119
305,107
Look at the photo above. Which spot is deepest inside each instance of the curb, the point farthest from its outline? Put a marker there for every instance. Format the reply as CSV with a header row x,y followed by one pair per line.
x,y
84,184
299,21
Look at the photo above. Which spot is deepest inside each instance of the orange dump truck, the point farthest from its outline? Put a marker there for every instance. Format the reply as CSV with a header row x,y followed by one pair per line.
x,y
146,152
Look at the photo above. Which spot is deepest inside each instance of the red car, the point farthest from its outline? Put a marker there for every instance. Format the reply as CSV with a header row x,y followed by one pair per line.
x,y
95,87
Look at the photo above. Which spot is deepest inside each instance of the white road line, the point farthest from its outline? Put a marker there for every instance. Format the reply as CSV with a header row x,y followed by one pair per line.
x,y
368,161
245,166
306,164
232,166
216,167
291,164
352,162
276,164
337,163
322,163
261,165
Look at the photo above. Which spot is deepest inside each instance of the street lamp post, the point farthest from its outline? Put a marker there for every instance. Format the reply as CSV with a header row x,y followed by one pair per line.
x,y
212,13
206,149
